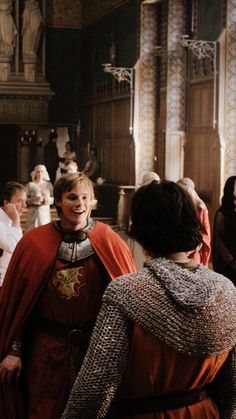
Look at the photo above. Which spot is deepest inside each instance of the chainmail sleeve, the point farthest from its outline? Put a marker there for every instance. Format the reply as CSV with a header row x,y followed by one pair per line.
x,y
102,371
224,387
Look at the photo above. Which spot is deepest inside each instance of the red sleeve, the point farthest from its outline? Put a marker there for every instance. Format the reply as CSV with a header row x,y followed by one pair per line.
x,y
205,250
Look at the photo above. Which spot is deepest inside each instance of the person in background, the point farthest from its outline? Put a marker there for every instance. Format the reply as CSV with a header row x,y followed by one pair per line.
x,y
138,252
149,177
203,252
12,204
164,342
39,198
51,156
50,299
70,166
92,166
68,156
224,233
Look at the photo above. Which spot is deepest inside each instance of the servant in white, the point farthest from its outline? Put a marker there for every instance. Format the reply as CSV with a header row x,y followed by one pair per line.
x,y
12,203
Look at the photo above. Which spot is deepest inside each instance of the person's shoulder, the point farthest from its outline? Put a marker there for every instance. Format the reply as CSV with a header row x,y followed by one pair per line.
x,y
201,205
30,183
124,289
40,231
107,231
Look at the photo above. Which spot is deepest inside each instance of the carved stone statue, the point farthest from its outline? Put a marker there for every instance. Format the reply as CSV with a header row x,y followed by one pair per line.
x,y
32,28
7,28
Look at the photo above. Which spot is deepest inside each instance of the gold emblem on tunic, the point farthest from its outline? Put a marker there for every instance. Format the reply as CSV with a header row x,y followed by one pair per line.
x,y
67,282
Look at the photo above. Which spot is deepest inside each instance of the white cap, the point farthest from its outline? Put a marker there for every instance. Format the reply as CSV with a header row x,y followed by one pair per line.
x,y
149,176
43,169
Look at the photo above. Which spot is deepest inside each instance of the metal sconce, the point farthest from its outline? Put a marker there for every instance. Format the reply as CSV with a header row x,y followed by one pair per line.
x,y
124,74
30,139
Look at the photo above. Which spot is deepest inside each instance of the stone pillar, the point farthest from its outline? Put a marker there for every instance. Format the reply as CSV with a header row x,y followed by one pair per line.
x,y
176,75
5,67
30,68
146,80
230,91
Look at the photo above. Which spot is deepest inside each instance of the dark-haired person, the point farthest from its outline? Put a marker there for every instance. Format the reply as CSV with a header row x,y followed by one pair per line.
x,y
50,300
51,156
92,165
68,156
224,233
164,342
12,204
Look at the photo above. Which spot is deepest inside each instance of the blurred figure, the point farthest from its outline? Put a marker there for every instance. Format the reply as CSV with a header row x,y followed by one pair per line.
x,y
39,198
203,253
12,204
164,342
68,156
70,167
50,300
149,177
51,156
92,166
224,233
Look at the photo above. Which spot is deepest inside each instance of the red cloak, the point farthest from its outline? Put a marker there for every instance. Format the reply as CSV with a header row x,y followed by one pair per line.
x,y
28,271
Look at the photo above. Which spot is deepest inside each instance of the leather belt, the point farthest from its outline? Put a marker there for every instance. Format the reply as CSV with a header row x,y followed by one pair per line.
x,y
75,335
141,406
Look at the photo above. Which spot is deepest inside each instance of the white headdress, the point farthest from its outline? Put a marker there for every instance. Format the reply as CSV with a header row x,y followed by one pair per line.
x,y
43,169
148,177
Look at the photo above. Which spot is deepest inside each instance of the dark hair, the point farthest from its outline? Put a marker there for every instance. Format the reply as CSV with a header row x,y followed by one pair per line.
x,y
53,135
228,210
164,219
8,190
67,182
72,148
94,150
227,202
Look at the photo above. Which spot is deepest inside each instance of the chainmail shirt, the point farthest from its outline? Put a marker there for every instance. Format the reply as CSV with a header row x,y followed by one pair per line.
x,y
193,312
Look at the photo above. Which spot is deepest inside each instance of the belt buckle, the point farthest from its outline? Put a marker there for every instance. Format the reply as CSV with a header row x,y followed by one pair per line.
x,y
74,337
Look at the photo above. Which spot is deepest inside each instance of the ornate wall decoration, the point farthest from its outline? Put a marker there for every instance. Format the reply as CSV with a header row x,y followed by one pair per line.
x,y
22,110
95,9
176,91
148,86
78,13
230,107
64,13
176,66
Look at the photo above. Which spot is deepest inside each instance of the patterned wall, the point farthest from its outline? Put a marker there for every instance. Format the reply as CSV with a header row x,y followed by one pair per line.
x,y
230,108
176,67
147,93
64,13
78,13
94,9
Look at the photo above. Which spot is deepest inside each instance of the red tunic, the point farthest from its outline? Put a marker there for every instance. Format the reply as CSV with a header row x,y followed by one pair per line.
x,y
33,284
156,369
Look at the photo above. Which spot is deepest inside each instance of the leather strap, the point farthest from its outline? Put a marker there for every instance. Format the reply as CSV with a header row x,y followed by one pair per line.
x,y
75,335
140,406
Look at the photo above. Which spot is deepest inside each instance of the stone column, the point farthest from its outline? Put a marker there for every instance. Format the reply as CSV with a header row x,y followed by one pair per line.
x,y
230,91
5,67
145,92
175,129
30,68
